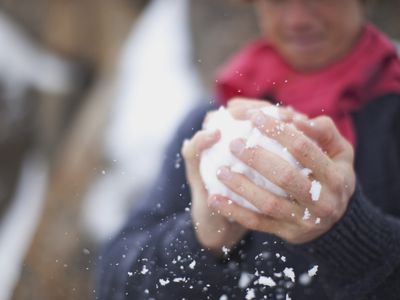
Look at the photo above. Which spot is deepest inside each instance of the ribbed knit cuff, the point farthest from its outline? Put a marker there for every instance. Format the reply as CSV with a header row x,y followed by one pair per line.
x,y
363,241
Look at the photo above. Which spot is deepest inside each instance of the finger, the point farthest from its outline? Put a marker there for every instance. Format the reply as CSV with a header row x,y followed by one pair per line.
x,y
247,103
242,108
245,217
275,169
266,202
325,133
288,114
306,151
203,139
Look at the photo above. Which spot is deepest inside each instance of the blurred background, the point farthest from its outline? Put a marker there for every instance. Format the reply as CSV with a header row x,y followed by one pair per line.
x,y
90,93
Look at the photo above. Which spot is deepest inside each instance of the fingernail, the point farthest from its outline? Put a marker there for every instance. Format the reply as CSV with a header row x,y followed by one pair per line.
x,y
237,146
259,119
224,173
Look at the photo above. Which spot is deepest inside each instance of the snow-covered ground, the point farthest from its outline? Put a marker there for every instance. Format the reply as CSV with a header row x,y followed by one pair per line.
x,y
157,85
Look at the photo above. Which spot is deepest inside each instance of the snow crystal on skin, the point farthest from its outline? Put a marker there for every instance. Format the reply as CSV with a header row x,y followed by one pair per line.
x,y
164,282
250,294
313,271
144,270
245,279
220,155
289,273
223,297
307,214
264,280
315,190
225,250
192,264
318,221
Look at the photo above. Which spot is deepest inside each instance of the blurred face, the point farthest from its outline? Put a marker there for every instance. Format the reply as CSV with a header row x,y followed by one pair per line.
x,y
311,34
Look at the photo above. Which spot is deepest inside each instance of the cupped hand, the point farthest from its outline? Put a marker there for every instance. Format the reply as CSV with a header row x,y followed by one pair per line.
x,y
318,146
213,230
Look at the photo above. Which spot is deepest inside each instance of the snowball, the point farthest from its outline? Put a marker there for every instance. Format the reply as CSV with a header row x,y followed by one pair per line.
x,y
220,155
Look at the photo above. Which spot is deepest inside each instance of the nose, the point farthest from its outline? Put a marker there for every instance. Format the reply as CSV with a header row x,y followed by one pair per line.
x,y
298,15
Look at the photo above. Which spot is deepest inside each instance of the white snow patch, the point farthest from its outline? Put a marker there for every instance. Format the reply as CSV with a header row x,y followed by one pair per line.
x,y
192,264
289,273
250,294
223,297
307,214
304,279
164,282
315,190
264,280
245,279
144,270
313,271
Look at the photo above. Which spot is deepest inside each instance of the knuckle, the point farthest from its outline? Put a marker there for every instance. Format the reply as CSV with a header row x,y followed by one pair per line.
x,y
285,176
269,207
253,223
337,182
326,210
326,122
301,146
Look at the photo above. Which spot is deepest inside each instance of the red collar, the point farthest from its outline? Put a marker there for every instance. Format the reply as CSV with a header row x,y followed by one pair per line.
x,y
370,70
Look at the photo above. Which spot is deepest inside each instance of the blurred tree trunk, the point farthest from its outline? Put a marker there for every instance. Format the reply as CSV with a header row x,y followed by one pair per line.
x,y
59,262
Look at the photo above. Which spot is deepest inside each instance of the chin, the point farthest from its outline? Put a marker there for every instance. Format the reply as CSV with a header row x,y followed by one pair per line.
x,y
308,63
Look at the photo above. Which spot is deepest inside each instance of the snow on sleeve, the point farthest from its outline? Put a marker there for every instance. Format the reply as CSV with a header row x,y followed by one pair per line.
x,y
268,281
245,279
164,282
288,272
192,264
313,271
250,294
144,270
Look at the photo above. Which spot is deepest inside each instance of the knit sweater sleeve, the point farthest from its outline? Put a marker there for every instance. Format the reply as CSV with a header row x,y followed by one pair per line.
x,y
359,257
157,255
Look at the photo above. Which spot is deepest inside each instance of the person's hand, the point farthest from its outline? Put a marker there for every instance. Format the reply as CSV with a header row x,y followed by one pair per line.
x,y
213,230
318,146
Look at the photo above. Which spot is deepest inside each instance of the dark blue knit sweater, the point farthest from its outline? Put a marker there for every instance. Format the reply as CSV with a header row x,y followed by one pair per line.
x,y
157,256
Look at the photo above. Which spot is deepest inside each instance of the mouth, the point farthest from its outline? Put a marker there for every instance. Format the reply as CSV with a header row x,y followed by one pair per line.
x,y
306,43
